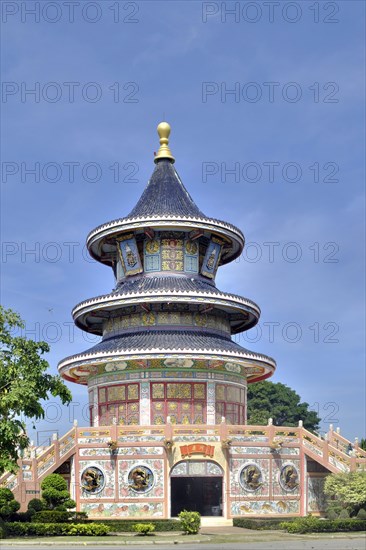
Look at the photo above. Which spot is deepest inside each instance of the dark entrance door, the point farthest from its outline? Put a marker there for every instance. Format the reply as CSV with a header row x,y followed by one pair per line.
x,y
197,494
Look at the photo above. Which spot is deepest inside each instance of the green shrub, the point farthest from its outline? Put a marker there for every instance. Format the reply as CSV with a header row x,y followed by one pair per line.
x,y
55,529
2,529
311,524
81,529
361,513
21,516
8,505
55,493
127,525
35,504
190,522
144,528
332,514
259,524
344,514
54,516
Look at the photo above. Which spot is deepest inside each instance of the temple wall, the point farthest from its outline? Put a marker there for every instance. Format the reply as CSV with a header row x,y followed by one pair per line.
x,y
256,480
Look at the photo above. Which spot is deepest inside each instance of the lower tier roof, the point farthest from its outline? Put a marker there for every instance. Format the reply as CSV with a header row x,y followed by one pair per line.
x,y
167,343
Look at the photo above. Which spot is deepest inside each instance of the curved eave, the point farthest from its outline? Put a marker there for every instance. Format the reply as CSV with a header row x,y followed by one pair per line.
x,y
245,358
116,228
91,314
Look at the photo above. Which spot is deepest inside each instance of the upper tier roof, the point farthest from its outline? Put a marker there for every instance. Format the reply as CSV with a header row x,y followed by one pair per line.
x,y
165,195
165,204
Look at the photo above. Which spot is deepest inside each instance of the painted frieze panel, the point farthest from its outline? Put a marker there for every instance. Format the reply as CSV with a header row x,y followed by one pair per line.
x,y
129,255
249,450
123,510
131,451
274,507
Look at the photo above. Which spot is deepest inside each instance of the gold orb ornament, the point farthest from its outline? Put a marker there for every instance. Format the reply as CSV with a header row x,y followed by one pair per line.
x,y
164,151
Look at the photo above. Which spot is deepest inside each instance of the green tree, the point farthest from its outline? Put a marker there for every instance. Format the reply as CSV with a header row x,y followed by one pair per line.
x,y
281,403
363,444
24,381
346,491
55,493
8,505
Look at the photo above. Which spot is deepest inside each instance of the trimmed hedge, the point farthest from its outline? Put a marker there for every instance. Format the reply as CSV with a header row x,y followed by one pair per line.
x,y
54,516
127,525
20,516
55,529
311,524
260,524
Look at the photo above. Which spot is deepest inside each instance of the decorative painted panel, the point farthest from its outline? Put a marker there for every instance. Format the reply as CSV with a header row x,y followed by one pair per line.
x,y
121,403
196,468
152,255
92,480
141,479
185,403
172,255
230,404
211,259
167,318
286,477
129,255
88,478
249,477
191,253
316,497
120,274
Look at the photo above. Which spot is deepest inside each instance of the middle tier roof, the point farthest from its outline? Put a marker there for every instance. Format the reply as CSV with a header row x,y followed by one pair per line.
x,y
147,291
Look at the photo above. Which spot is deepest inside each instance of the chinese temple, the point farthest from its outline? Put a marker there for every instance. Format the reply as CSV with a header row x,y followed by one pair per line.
x,y
167,384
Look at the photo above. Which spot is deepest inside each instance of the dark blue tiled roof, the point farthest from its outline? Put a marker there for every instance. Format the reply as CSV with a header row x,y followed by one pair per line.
x,y
165,195
165,284
166,339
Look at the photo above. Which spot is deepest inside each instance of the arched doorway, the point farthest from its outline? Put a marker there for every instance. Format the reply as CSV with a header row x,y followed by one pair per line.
x,y
197,485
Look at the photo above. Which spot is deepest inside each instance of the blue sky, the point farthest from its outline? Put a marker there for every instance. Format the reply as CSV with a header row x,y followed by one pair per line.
x,y
292,130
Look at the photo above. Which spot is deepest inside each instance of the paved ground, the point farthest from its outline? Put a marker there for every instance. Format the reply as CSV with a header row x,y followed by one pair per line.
x,y
309,544
235,539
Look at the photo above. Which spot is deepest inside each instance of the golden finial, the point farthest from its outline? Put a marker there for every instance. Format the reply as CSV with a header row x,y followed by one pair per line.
x,y
164,151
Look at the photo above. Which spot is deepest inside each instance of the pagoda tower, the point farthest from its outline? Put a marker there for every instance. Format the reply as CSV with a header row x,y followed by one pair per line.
x,y
167,384
166,353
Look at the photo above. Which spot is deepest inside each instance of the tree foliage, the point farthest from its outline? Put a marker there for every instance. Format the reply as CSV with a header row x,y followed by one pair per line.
x,y
24,381
8,505
281,403
55,493
363,444
346,491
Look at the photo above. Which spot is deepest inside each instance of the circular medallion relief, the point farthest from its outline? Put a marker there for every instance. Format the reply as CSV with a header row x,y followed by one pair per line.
x,y
251,478
140,479
289,477
92,480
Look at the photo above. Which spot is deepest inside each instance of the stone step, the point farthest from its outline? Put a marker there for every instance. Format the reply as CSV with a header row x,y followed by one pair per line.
x,y
215,521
